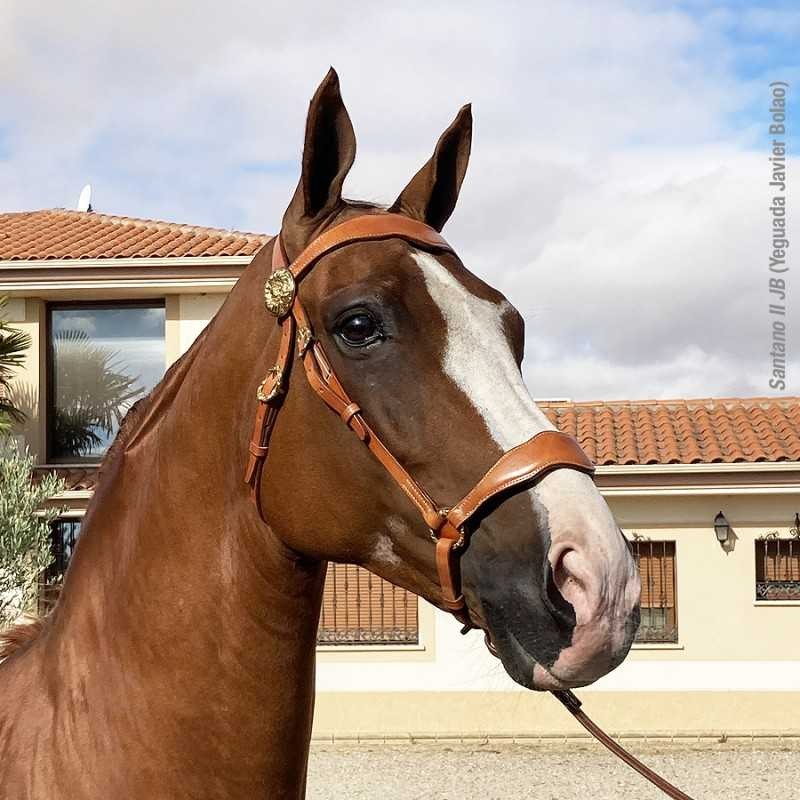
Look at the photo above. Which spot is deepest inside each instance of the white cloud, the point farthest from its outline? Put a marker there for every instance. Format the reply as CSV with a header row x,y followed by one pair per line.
x,y
610,195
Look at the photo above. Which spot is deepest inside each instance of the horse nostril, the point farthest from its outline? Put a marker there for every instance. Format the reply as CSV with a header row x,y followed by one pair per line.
x,y
577,578
556,603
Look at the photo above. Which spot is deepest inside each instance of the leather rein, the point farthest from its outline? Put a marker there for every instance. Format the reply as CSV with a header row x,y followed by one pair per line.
x,y
524,464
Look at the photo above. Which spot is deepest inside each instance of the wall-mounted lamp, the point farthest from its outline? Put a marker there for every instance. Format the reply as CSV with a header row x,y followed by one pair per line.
x,y
795,530
722,528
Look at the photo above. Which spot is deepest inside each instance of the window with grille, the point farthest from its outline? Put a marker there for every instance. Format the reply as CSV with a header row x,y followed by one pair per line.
x,y
659,619
361,608
777,568
63,536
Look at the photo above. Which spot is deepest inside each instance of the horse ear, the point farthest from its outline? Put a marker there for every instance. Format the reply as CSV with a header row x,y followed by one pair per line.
x,y
328,154
432,193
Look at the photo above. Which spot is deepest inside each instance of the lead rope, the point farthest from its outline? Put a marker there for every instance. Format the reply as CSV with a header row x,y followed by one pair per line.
x,y
570,701
573,705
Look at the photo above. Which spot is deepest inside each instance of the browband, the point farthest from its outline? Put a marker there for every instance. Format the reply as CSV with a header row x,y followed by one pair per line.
x,y
524,464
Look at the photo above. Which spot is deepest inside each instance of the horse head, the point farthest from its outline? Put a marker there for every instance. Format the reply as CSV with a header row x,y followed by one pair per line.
x,y
431,355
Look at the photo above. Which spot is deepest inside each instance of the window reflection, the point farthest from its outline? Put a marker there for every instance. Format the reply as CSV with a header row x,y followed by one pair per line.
x,y
103,359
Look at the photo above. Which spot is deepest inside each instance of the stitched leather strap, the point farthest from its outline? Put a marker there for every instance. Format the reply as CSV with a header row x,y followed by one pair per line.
x,y
528,462
448,569
325,383
269,395
365,228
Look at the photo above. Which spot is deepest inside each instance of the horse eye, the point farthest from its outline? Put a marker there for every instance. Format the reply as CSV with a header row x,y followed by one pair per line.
x,y
359,329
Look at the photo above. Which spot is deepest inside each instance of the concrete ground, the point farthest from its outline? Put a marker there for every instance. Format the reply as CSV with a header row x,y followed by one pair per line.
x,y
738,770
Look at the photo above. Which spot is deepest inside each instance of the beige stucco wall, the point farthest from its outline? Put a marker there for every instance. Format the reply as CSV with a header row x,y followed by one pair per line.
x,y
28,314
718,616
195,311
520,714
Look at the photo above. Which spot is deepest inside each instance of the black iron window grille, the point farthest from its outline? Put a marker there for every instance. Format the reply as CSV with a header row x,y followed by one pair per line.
x,y
659,612
778,566
64,534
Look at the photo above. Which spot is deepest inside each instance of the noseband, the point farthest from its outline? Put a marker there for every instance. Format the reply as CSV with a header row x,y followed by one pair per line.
x,y
524,464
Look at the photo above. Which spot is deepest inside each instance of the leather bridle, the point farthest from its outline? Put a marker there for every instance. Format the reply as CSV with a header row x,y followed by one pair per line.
x,y
525,464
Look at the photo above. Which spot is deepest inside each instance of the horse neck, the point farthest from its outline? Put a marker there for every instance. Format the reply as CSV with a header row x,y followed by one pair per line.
x,y
181,603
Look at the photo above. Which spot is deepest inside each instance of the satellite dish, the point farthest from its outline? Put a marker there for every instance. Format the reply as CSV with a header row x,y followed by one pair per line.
x,y
85,200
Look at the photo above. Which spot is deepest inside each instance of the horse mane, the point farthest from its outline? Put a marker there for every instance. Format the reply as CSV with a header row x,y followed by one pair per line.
x,y
19,635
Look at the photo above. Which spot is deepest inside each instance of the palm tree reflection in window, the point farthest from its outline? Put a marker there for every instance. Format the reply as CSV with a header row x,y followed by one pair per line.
x,y
93,392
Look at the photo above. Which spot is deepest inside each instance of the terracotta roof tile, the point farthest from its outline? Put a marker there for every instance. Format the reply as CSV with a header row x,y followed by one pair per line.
x,y
62,234
705,431
729,430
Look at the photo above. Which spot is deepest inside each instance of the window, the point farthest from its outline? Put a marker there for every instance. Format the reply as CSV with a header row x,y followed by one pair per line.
x,y
656,562
102,357
63,536
361,608
777,568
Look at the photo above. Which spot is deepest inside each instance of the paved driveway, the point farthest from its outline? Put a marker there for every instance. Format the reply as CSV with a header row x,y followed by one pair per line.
x,y
706,771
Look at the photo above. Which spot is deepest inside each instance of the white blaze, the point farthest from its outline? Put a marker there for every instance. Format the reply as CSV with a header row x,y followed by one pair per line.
x,y
479,361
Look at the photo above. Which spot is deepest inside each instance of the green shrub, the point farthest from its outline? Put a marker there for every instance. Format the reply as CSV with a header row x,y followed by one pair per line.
x,y
24,531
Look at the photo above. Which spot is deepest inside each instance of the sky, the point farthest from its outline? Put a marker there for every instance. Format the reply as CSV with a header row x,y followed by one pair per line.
x,y
617,193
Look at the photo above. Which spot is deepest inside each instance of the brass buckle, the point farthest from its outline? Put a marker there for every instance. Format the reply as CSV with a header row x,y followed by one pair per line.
x,y
277,388
279,292
304,339
443,512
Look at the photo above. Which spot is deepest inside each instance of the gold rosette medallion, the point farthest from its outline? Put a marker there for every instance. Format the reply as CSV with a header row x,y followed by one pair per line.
x,y
279,292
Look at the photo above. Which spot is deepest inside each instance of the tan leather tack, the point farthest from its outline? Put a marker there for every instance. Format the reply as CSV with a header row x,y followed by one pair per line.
x,y
365,228
526,463
522,465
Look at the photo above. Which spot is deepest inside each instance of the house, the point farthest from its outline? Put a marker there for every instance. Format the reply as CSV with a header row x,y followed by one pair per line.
x,y
707,490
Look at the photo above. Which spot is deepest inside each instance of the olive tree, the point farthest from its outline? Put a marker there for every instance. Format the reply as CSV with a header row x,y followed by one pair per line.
x,y
25,519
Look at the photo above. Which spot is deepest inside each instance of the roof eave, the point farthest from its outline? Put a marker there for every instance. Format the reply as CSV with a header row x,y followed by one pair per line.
x,y
117,263
179,272
704,467
741,478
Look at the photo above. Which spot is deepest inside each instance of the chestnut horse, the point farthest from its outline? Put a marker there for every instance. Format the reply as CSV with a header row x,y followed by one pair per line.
x,y
179,660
